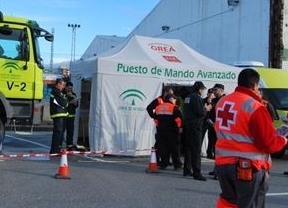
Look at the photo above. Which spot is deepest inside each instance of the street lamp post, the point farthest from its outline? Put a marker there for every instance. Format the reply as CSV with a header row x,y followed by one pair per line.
x,y
73,44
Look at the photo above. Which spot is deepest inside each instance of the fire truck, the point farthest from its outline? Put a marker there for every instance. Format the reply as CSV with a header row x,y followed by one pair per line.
x,y
21,70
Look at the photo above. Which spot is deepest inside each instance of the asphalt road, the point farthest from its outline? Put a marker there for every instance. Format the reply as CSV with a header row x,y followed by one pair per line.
x,y
108,182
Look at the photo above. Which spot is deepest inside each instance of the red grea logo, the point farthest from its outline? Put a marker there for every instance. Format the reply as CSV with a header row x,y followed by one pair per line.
x,y
163,48
171,58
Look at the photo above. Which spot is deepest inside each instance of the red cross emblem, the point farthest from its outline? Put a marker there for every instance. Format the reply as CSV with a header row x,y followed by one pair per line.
x,y
226,115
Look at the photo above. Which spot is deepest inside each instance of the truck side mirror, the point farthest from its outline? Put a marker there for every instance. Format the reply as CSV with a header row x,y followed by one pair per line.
x,y
49,37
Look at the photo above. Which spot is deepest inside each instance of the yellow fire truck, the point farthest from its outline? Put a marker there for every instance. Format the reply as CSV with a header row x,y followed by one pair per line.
x,y
21,70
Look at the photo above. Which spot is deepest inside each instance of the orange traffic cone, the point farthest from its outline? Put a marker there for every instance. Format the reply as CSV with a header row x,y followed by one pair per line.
x,y
153,167
63,171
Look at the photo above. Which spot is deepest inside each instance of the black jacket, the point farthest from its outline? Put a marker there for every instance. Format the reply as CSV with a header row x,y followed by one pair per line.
x,y
58,104
194,111
71,107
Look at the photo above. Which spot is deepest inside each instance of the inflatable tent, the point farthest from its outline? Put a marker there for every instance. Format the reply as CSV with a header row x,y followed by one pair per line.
x,y
126,79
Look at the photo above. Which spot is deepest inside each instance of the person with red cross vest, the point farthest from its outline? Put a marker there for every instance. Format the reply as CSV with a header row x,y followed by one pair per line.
x,y
245,139
169,124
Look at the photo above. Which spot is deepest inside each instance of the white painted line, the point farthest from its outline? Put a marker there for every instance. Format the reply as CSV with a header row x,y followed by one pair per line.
x,y
277,194
108,161
27,141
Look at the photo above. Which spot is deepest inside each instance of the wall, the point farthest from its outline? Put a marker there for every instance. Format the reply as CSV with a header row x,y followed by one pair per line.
x,y
226,34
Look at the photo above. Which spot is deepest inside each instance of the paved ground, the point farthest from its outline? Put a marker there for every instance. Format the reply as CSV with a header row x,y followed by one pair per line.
x,y
105,182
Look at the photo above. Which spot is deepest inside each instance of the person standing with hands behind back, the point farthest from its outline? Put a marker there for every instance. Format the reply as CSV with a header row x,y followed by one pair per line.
x,y
58,112
69,121
245,139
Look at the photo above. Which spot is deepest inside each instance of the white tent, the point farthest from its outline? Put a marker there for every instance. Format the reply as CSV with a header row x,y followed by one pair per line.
x,y
126,79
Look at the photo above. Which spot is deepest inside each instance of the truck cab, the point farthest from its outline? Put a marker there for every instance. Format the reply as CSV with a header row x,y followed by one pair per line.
x,y
21,70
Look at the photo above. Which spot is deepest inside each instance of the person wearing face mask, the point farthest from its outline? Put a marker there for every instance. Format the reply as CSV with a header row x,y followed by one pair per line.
x,y
194,111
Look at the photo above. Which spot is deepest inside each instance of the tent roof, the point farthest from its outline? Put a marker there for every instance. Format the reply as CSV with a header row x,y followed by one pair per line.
x,y
164,52
140,55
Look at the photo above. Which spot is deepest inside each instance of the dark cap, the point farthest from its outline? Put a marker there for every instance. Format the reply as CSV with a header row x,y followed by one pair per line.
x,y
168,96
218,86
199,85
210,90
59,80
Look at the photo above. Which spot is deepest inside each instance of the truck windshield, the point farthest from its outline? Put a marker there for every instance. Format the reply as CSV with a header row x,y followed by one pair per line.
x,y
277,97
11,44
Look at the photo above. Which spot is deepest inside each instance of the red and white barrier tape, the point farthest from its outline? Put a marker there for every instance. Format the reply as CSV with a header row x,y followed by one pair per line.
x,y
103,152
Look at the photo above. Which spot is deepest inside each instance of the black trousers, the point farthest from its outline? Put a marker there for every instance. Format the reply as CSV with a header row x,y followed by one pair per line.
x,y
168,144
193,145
58,127
212,138
69,127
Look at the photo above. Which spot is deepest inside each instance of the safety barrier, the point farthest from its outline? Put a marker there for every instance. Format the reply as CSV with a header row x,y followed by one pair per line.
x,y
102,152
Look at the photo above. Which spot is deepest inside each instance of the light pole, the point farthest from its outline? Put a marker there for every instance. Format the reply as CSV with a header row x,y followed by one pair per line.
x,y
73,44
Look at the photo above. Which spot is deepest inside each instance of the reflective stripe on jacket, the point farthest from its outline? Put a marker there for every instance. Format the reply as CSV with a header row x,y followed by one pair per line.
x,y
168,117
234,139
58,104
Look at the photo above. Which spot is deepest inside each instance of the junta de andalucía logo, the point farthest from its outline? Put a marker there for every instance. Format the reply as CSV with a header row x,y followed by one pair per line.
x,y
10,66
132,96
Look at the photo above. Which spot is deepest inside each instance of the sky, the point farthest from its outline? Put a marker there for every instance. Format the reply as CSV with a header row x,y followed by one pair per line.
x,y
95,17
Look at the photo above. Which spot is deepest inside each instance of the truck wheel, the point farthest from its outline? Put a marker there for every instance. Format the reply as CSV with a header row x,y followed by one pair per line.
x,y
279,154
2,134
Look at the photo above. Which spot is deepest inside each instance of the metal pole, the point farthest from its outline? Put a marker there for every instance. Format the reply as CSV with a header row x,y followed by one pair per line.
x,y
73,43
52,51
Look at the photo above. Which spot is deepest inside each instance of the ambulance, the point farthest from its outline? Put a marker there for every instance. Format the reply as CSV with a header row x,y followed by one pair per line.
x,y
274,84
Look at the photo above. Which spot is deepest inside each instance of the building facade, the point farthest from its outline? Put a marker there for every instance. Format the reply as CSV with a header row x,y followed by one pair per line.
x,y
228,31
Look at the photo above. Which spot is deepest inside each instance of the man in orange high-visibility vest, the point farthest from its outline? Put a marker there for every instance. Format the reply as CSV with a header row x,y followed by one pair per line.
x,y
245,139
151,111
169,124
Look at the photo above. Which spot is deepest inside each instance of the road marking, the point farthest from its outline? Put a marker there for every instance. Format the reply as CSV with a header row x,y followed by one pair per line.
x,y
109,161
277,194
28,141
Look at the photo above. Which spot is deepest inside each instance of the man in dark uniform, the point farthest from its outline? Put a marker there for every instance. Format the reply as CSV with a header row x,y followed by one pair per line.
x,y
193,113
219,93
69,121
207,122
218,90
58,112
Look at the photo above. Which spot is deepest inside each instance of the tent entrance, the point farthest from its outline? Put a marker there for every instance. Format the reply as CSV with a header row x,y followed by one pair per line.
x,y
181,90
